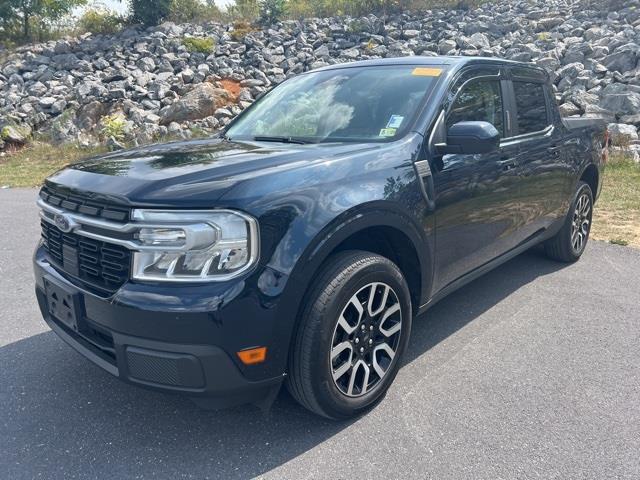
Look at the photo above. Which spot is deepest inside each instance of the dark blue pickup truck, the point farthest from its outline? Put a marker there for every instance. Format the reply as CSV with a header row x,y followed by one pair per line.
x,y
298,245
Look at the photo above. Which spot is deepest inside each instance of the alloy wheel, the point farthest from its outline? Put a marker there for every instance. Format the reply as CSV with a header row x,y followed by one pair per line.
x,y
365,339
581,223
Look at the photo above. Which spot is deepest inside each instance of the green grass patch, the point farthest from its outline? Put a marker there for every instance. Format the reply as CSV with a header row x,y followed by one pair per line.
x,y
200,45
619,241
617,212
29,166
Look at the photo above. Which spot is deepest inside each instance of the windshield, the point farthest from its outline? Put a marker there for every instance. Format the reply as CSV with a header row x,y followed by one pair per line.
x,y
349,104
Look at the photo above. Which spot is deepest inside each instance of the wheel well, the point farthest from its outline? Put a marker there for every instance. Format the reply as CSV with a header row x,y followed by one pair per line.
x,y
590,176
394,245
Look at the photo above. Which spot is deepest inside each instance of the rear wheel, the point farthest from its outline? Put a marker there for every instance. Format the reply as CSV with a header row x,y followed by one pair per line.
x,y
569,243
352,334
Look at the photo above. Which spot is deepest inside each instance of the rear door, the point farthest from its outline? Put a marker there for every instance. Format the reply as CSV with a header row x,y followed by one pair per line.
x,y
474,194
542,162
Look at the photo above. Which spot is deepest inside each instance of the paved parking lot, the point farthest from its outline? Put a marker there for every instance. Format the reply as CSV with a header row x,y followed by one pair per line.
x,y
529,372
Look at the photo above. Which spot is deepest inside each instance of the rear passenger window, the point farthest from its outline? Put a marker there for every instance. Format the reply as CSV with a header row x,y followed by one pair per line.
x,y
479,100
531,105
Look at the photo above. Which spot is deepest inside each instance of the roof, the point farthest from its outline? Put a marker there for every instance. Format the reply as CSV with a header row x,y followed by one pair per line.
x,y
434,60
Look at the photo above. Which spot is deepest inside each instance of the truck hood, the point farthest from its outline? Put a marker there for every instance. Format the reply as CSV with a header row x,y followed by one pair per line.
x,y
193,171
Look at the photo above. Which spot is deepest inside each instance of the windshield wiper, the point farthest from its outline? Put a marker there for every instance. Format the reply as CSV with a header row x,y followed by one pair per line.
x,y
281,140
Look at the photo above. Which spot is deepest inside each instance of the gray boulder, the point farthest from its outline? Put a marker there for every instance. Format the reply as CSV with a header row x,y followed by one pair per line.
x,y
617,99
622,134
568,109
479,40
201,102
625,58
631,119
445,46
15,134
89,115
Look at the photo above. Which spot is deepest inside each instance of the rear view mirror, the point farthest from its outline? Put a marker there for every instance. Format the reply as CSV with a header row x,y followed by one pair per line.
x,y
470,138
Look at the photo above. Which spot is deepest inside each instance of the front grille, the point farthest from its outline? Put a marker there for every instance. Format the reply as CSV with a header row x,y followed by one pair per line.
x,y
98,264
83,203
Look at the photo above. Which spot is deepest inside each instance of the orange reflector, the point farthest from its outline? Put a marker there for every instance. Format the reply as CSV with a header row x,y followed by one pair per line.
x,y
252,356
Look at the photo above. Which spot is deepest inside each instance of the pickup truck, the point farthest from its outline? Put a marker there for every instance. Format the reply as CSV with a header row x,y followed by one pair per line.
x,y
297,246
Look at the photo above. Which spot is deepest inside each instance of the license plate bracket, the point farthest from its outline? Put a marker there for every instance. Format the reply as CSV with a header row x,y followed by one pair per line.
x,y
63,303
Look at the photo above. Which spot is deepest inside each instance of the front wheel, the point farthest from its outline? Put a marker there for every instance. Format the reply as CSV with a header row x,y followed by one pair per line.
x,y
569,243
353,331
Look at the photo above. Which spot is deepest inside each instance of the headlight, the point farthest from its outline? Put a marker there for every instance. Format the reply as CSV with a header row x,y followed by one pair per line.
x,y
193,246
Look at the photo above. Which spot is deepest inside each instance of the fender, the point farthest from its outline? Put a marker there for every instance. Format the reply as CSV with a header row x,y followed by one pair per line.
x,y
321,245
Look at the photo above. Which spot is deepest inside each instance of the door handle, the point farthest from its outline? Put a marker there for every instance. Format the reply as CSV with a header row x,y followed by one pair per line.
x,y
554,150
507,163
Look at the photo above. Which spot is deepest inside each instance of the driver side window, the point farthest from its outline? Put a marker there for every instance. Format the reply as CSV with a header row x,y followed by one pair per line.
x,y
479,100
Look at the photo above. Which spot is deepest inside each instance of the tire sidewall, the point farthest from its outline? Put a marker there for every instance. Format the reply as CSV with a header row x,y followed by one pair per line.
x,y
331,398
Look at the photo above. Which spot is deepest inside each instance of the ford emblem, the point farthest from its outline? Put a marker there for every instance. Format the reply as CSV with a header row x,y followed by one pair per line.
x,y
63,222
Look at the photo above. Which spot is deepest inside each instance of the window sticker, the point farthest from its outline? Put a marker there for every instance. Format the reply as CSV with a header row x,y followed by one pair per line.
x,y
427,72
395,121
387,132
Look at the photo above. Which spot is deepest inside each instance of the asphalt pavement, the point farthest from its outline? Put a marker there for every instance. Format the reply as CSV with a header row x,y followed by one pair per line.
x,y
530,372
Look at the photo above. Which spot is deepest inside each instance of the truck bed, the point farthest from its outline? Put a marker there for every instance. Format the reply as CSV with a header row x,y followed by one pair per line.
x,y
575,123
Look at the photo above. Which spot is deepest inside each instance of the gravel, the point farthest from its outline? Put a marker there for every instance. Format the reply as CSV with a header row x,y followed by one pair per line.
x,y
590,49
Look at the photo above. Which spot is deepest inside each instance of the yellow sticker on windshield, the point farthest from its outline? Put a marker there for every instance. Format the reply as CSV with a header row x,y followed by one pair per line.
x,y
427,72
387,132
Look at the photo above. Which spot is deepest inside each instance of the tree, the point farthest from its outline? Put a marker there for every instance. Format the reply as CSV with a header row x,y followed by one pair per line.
x,y
272,11
22,14
244,9
150,12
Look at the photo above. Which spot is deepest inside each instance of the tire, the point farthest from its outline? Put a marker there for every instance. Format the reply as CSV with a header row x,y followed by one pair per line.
x,y
569,243
323,348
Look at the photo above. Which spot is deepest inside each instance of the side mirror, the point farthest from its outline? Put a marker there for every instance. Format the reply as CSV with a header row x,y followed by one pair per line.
x,y
470,138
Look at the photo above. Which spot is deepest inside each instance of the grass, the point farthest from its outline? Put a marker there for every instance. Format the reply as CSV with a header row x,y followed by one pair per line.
x,y
29,166
200,45
616,217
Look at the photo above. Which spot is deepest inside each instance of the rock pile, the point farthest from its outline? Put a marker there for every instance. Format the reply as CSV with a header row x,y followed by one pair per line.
x,y
63,90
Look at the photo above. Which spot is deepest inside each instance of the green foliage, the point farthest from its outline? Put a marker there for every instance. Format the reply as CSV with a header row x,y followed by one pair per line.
x,y
244,9
150,12
100,21
4,133
201,45
324,8
240,30
28,20
544,36
199,132
113,126
272,11
357,8
356,26
619,241
193,11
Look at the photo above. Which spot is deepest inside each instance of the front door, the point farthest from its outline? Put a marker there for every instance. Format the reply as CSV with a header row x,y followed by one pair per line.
x,y
476,195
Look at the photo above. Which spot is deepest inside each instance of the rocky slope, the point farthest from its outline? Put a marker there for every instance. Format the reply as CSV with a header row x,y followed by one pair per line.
x,y
143,85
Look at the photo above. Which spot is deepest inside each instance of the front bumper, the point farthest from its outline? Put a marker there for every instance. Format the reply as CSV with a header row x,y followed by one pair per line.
x,y
151,336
